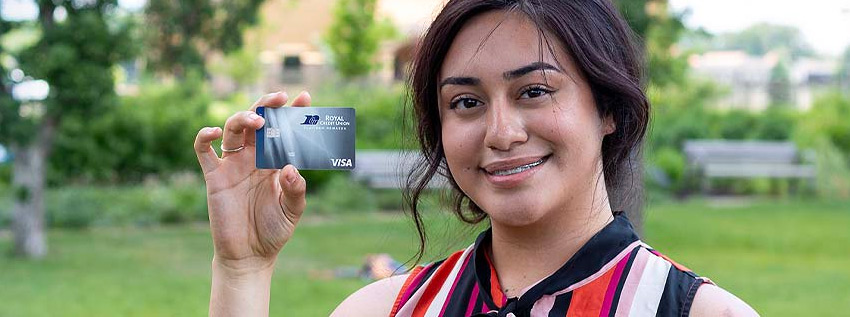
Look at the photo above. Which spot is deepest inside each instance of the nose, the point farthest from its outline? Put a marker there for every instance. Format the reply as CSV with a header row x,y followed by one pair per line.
x,y
505,126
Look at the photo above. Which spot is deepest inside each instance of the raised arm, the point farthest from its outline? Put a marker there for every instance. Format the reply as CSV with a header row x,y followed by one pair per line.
x,y
252,212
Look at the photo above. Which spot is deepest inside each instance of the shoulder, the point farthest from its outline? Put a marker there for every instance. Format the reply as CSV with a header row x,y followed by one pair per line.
x,y
711,300
688,294
381,297
376,299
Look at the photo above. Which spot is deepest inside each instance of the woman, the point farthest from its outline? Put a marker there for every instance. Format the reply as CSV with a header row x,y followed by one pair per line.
x,y
530,108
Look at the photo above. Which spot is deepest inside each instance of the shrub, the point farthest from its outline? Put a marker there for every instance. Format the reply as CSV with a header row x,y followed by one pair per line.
x,y
775,124
78,207
5,206
736,125
150,133
389,199
181,199
827,119
341,195
679,113
379,119
672,164
380,112
5,173
833,170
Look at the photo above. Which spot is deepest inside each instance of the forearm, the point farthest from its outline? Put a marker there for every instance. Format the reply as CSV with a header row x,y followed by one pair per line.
x,y
240,292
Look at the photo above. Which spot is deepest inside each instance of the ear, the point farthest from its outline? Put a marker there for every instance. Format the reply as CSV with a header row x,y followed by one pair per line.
x,y
608,125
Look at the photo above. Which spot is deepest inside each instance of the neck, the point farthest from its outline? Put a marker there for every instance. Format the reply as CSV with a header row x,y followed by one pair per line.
x,y
524,255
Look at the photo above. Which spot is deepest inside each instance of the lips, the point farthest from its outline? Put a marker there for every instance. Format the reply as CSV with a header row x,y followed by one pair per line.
x,y
509,174
514,166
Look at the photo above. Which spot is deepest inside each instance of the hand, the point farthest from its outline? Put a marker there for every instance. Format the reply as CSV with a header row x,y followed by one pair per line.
x,y
253,212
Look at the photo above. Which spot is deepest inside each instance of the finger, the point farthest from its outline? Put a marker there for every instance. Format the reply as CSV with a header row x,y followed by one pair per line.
x,y
237,126
272,100
292,197
275,100
303,100
203,148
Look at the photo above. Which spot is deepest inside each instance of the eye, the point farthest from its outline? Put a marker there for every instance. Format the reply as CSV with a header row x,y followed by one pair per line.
x,y
534,92
464,103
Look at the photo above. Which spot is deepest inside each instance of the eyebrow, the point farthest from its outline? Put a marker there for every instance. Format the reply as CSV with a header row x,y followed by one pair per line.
x,y
463,81
522,71
508,75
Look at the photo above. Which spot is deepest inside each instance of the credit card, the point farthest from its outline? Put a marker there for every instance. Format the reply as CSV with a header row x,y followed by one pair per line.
x,y
309,138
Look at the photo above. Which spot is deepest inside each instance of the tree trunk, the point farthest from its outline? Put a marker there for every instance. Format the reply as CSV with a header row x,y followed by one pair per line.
x,y
28,173
28,210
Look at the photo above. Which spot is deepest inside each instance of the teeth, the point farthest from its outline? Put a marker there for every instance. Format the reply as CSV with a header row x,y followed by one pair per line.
x,y
518,169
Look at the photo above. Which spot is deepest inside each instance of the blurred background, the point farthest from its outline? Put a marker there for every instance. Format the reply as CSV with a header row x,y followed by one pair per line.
x,y
746,171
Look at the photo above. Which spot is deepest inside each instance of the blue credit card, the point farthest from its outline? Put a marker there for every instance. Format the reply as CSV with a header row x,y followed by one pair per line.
x,y
309,138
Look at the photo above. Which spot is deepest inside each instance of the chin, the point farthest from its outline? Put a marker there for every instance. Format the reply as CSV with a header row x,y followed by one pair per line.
x,y
518,213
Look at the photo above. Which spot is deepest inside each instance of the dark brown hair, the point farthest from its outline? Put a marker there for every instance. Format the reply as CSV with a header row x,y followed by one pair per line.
x,y
600,43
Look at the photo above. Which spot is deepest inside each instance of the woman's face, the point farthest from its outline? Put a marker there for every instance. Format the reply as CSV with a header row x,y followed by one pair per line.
x,y
520,129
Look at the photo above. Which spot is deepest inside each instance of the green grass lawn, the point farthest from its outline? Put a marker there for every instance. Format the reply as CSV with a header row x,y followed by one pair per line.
x,y
784,258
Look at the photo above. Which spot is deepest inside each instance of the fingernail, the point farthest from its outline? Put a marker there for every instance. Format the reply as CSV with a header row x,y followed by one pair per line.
x,y
253,116
290,178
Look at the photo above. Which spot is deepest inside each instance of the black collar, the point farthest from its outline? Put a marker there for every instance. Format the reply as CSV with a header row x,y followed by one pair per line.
x,y
590,258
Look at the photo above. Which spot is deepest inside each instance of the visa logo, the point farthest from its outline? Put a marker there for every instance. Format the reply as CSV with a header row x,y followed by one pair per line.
x,y
310,119
341,162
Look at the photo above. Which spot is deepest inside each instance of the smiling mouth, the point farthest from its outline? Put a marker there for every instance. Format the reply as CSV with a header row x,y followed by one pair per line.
x,y
519,169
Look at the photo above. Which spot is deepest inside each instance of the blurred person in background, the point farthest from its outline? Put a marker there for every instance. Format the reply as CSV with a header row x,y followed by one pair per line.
x,y
531,108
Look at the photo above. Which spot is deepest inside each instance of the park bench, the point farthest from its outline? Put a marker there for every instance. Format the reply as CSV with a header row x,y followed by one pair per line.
x,y
708,159
388,168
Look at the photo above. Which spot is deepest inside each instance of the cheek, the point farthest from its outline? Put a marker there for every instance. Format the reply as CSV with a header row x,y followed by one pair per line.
x,y
564,127
573,132
558,124
461,144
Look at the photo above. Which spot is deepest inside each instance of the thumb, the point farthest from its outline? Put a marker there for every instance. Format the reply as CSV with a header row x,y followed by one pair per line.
x,y
292,197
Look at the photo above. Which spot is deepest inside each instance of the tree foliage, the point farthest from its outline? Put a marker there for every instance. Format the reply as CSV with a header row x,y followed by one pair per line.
x,y
827,119
353,37
75,57
12,125
659,29
242,66
182,33
843,72
9,108
144,135
779,87
761,38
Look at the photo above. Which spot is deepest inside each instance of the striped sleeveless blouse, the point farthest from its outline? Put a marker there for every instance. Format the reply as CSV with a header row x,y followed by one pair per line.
x,y
613,274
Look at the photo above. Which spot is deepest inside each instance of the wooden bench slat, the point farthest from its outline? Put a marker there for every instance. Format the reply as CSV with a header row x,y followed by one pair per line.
x,y
745,159
713,151
389,169
759,170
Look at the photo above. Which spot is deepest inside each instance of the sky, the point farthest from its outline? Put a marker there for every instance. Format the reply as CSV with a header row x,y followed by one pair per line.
x,y
824,23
